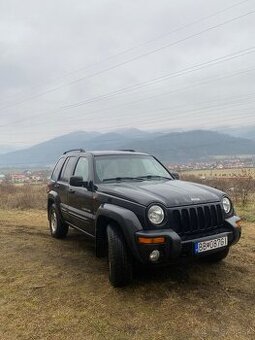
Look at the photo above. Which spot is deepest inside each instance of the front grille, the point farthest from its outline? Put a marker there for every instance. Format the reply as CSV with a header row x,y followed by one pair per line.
x,y
196,219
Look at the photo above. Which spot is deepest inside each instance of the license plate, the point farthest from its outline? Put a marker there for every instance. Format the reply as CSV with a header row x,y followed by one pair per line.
x,y
204,246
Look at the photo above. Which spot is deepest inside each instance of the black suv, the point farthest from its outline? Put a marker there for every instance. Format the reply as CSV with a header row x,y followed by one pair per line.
x,y
137,211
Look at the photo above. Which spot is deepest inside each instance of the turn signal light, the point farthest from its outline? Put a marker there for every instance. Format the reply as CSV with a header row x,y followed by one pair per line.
x,y
151,240
238,223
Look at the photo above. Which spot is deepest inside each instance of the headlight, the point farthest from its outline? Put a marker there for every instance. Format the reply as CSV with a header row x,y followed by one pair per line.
x,y
226,205
156,214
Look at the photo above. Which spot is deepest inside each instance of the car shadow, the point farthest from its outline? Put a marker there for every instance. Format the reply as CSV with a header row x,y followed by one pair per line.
x,y
181,272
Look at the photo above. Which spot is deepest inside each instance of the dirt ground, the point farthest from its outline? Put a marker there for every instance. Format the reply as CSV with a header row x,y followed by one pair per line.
x,y
58,289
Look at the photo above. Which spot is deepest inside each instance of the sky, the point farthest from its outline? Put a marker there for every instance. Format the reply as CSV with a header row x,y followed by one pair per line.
x,y
101,65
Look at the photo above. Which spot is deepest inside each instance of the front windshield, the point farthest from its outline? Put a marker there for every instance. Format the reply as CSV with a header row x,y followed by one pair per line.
x,y
128,167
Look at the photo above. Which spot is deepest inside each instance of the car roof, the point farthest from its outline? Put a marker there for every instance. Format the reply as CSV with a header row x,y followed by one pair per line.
x,y
115,152
103,152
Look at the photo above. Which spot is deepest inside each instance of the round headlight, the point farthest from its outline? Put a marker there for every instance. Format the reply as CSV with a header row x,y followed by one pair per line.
x,y
156,214
226,205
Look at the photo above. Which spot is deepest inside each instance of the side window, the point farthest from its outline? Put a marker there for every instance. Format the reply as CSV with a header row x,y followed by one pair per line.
x,y
67,169
82,169
57,168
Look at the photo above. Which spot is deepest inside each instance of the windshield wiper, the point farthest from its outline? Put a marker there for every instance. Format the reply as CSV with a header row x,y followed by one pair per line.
x,y
153,177
118,179
138,178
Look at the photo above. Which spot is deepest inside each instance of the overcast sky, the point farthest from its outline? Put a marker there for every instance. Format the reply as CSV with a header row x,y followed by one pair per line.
x,y
100,65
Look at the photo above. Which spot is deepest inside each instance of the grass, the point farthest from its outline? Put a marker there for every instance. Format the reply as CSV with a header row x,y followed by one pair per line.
x,y
221,173
52,289
247,211
23,196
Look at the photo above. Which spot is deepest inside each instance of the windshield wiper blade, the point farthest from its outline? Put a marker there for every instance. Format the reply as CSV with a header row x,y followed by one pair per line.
x,y
153,176
118,179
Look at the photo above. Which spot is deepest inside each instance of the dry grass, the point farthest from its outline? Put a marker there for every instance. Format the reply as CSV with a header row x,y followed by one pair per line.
x,y
21,196
28,196
51,289
240,189
219,173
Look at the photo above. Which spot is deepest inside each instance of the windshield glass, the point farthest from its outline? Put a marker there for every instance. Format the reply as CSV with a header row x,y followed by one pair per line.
x,y
128,167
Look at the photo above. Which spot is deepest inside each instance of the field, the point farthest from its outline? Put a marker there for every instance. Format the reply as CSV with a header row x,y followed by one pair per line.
x,y
221,173
52,289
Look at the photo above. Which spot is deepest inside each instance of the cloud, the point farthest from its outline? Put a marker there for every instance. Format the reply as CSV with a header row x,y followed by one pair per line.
x,y
57,53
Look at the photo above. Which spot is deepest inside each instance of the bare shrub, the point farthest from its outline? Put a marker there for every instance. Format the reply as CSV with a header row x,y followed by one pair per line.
x,y
240,188
28,196
22,196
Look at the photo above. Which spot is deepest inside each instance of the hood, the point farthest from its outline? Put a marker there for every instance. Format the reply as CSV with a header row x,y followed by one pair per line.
x,y
169,193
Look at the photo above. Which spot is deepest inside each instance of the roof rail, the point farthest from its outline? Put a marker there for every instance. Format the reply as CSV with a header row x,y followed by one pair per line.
x,y
77,150
127,150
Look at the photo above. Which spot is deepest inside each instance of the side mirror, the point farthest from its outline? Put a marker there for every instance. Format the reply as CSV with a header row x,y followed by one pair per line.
x,y
175,175
76,181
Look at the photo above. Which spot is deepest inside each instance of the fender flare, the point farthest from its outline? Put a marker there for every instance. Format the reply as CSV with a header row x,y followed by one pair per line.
x,y
127,221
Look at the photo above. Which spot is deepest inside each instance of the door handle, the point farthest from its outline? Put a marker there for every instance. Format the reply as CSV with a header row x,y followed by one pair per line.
x,y
56,185
71,191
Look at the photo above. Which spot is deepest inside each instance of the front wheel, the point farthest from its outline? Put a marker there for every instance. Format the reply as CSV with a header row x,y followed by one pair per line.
x,y
58,229
216,257
119,258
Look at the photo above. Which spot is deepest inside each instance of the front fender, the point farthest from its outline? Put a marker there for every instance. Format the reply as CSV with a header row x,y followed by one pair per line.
x,y
127,221
231,222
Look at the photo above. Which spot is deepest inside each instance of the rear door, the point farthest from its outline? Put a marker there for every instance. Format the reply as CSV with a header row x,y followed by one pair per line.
x,y
80,198
53,184
63,185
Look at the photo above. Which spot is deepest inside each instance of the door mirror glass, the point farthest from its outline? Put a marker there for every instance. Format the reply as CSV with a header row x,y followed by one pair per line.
x,y
76,181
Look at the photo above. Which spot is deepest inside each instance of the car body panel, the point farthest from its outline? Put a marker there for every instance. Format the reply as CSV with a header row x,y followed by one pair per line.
x,y
167,192
126,202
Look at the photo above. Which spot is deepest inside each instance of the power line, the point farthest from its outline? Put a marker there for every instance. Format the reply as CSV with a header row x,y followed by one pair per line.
x,y
157,38
168,76
180,90
181,72
180,114
204,110
131,59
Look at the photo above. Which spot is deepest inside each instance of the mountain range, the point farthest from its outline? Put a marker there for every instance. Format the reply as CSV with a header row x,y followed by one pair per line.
x,y
195,145
243,132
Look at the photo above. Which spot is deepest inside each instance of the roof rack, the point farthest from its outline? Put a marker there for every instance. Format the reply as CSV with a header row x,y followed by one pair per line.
x,y
127,150
72,150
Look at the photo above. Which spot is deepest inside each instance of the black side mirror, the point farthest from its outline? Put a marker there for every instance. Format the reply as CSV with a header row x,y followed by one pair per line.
x,y
175,175
76,181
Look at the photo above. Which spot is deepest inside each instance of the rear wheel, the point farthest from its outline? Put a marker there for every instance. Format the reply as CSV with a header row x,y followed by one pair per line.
x,y
216,257
58,228
119,258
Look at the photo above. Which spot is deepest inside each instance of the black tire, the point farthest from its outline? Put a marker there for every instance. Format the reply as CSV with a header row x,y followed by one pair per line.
x,y
119,258
216,257
58,228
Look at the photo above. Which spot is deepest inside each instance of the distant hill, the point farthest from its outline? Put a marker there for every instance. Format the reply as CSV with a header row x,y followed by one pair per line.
x,y
195,145
169,147
243,132
7,148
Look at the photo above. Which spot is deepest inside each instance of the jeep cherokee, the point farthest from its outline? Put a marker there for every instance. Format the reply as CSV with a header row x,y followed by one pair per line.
x,y
137,211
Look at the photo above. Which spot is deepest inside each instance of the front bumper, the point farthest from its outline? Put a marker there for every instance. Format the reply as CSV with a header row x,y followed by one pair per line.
x,y
176,247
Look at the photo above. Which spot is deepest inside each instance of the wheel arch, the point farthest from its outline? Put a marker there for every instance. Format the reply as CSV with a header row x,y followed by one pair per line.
x,y
101,235
125,219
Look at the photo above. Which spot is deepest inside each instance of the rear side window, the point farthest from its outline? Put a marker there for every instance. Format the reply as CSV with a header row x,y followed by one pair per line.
x,y
57,168
67,169
82,169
